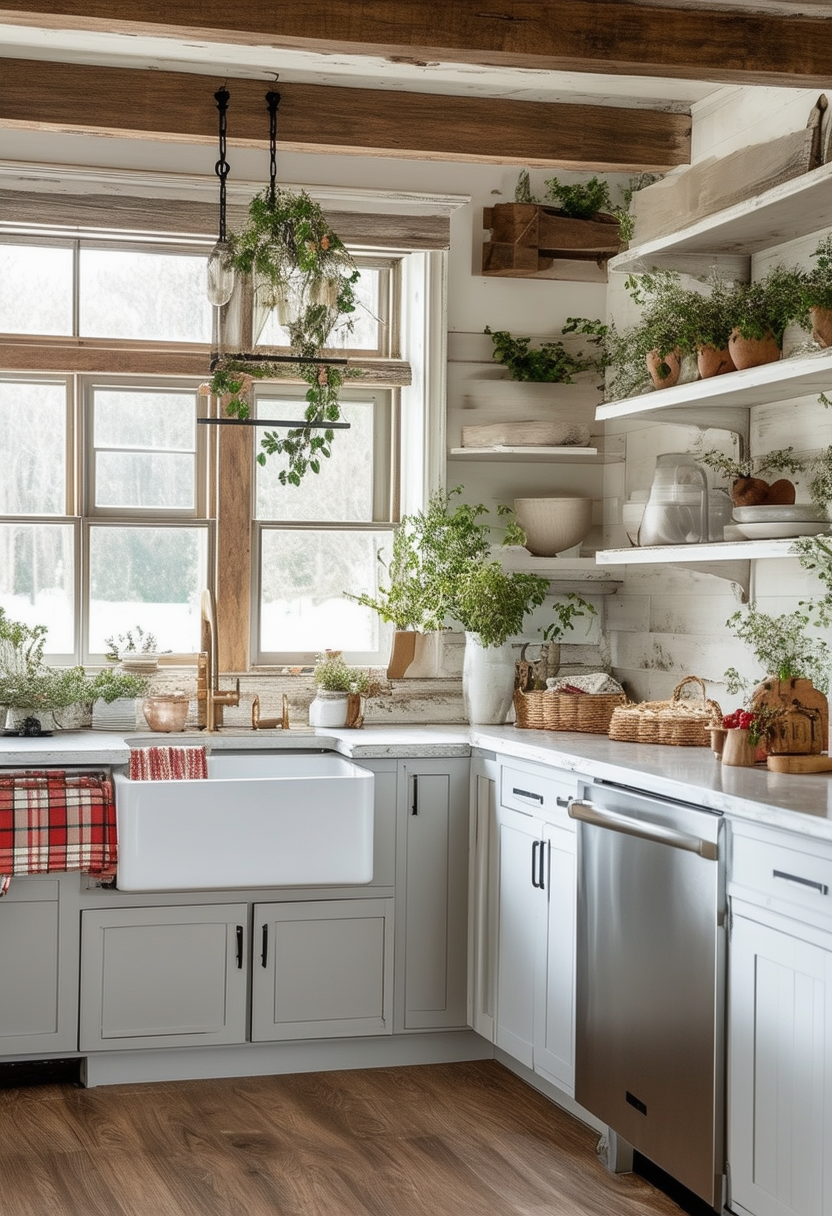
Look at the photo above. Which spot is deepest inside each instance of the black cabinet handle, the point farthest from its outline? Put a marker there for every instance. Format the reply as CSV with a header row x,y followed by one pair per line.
x,y
264,947
527,794
562,801
535,847
414,806
240,947
542,863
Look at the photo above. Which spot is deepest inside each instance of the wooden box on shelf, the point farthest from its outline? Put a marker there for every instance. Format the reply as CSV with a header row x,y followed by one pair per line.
x,y
527,239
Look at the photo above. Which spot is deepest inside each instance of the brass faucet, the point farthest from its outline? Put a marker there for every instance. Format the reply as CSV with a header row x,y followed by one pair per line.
x,y
258,723
208,679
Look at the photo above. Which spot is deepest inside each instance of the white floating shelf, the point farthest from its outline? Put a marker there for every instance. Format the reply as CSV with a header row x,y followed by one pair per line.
x,y
724,551
501,452
568,573
787,211
800,377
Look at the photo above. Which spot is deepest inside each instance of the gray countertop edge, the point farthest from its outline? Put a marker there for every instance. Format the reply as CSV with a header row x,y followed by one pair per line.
x,y
796,803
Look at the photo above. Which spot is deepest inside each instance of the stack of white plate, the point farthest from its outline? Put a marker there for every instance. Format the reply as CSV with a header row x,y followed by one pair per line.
x,y
780,521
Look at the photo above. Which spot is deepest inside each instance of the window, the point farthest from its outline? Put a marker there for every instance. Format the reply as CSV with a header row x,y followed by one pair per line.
x,y
325,537
136,549
104,518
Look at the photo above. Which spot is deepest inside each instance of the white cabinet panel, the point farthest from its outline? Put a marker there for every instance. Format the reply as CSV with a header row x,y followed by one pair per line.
x,y
780,1061
483,891
554,1052
323,969
156,977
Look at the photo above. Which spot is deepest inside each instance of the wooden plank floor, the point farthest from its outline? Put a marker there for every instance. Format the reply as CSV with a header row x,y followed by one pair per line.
x,y
440,1140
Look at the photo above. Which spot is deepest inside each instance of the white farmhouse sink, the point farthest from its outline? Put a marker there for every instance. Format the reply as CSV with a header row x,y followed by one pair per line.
x,y
259,820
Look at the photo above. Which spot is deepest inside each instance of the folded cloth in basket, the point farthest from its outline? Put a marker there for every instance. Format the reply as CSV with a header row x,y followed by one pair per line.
x,y
168,763
593,681
54,820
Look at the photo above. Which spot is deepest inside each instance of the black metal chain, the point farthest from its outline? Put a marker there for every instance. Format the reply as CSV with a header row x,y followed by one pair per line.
x,y
222,167
272,101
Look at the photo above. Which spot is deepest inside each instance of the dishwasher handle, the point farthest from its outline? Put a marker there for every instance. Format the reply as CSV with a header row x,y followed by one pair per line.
x,y
587,812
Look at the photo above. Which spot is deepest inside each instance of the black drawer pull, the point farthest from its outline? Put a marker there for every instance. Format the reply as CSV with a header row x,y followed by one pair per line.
x,y
527,794
240,947
264,947
562,801
820,887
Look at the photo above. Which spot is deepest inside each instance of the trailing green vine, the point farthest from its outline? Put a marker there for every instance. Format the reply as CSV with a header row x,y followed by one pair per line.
x,y
295,257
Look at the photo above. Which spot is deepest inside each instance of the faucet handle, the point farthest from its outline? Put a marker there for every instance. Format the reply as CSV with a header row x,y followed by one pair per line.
x,y
228,696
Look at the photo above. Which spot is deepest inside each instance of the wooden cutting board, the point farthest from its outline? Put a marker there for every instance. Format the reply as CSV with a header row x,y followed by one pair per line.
x,y
800,764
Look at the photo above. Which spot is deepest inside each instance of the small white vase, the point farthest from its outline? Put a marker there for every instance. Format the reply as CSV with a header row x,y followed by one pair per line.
x,y
329,709
487,681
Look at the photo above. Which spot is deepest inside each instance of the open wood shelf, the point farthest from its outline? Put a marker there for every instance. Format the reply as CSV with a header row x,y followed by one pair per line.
x,y
717,551
792,209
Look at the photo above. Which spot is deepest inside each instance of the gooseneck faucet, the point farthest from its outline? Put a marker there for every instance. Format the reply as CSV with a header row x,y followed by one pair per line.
x,y
209,690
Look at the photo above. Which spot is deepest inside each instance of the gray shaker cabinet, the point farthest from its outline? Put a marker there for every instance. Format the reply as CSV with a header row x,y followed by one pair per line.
x,y
38,968
163,976
432,894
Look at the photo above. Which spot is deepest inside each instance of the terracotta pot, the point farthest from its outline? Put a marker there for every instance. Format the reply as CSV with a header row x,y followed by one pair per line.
x,y
804,728
821,325
717,734
753,352
713,362
738,750
671,363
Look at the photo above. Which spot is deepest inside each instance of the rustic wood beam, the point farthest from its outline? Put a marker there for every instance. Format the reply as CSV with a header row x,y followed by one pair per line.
x,y
701,40
178,106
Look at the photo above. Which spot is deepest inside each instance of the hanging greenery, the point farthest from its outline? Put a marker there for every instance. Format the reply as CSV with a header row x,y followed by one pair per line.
x,y
301,268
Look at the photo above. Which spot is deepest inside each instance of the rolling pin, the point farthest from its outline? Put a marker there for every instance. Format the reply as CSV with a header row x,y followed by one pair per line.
x,y
799,764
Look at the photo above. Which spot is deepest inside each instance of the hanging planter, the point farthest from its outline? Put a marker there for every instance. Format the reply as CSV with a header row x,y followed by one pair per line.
x,y
300,268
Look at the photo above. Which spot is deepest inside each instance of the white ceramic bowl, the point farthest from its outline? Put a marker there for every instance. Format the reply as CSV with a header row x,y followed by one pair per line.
x,y
553,524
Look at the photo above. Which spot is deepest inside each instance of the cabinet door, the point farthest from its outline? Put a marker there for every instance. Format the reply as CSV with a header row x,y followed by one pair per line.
x,y
163,977
482,898
322,969
554,1021
433,894
38,991
780,1087
522,905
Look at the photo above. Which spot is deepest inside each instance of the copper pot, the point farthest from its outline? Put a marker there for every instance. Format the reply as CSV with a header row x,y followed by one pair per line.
x,y
166,712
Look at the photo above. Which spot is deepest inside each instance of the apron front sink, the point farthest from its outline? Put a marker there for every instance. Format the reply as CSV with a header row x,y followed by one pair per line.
x,y
259,820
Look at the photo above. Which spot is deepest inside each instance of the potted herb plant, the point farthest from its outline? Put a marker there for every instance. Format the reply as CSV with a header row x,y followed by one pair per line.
x,y
549,362
794,664
762,309
29,688
335,683
817,293
136,650
746,477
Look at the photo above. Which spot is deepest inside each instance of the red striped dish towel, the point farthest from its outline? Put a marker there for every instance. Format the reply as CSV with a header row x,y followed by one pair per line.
x,y
54,820
168,763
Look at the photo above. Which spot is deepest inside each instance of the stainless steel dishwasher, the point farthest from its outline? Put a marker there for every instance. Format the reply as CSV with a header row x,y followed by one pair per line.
x,y
650,978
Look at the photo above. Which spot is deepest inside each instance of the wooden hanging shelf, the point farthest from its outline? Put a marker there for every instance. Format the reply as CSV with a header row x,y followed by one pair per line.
x,y
529,240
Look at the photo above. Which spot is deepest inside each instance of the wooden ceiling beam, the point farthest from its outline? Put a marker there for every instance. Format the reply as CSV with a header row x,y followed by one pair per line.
x,y
178,106
699,41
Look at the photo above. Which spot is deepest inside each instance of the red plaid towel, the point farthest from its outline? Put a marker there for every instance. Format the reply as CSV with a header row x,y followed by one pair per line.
x,y
168,763
54,820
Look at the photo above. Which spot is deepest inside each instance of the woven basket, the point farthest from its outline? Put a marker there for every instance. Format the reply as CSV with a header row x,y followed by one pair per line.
x,y
582,711
679,722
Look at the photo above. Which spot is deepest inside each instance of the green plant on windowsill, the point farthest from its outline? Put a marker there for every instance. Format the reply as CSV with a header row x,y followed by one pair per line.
x,y
332,674
135,641
109,685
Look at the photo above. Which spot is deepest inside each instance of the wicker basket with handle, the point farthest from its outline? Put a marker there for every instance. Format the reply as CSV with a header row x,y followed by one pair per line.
x,y
679,721
589,712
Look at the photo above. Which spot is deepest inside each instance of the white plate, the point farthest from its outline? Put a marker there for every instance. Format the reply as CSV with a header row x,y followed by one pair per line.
x,y
798,512
773,531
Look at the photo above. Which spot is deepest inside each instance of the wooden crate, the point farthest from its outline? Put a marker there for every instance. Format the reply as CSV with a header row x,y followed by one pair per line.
x,y
528,240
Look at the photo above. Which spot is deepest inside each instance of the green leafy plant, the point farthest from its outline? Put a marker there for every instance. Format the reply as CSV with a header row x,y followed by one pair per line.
x,y
782,460
766,306
550,362
293,254
108,685
626,221
25,680
817,282
493,604
523,189
781,647
332,674
436,572
582,200
566,612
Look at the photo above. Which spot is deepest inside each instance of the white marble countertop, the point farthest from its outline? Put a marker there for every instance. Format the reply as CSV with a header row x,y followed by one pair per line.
x,y
798,803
